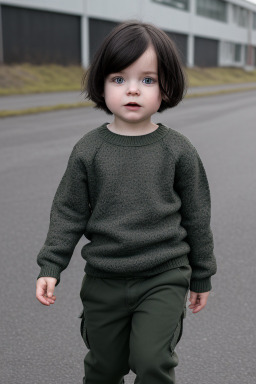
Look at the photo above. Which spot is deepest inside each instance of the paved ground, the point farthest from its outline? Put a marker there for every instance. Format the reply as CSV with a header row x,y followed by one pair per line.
x,y
43,345
39,100
222,87
48,99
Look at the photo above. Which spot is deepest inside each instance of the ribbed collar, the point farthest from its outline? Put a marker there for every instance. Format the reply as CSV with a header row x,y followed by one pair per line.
x,y
130,141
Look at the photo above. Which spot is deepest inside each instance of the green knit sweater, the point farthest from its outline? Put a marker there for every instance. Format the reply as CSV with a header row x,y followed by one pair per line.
x,y
143,202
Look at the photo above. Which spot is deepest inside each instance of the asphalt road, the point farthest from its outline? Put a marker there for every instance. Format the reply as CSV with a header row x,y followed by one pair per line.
x,y
43,345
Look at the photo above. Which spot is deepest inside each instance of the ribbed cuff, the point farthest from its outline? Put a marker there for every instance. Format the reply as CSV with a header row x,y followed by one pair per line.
x,y
50,272
199,286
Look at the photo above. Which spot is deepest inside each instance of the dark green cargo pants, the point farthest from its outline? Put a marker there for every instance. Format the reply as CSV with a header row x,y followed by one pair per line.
x,y
133,323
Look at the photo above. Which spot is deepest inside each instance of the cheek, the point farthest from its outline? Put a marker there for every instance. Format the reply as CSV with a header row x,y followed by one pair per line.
x,y
112,99
158,99
155,96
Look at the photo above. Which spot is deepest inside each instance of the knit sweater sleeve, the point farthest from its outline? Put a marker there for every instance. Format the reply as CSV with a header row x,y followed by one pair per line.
x,y
69,214
193,189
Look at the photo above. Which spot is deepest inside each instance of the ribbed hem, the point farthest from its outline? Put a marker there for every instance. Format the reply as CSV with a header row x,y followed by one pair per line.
x,y
136,141
50,272
200,286
170,264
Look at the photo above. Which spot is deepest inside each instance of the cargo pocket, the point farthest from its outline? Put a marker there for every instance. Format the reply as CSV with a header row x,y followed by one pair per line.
x,y
179,329
177,334
185,305
83,329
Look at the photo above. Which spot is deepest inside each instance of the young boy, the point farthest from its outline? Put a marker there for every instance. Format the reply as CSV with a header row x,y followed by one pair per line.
x,y
139,192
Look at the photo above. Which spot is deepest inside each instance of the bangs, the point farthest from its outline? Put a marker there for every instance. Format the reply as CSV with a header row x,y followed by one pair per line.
x,y
124,49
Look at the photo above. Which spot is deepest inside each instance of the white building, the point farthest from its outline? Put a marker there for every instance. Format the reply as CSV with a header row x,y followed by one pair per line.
x,y
207,32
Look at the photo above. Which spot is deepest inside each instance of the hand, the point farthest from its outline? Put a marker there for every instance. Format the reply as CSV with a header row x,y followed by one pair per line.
x,y
44,290
198,301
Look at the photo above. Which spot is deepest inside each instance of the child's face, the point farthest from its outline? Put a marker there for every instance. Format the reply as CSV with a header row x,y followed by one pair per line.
x,y
133,94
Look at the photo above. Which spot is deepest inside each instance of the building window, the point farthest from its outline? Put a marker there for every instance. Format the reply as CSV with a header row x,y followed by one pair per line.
x,y
180,4
240,16
214,9
254,20
243,17
238,51
226,52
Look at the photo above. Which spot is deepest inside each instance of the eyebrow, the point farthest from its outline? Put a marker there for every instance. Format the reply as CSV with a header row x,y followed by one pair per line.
x,y
149,73
144,73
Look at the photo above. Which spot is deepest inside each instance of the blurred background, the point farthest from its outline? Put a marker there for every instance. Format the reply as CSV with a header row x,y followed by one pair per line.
x,y
45,47
41,40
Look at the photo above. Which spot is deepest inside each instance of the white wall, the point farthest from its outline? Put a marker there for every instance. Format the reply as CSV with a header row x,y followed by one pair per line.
x,y
114,10
171,19
167,18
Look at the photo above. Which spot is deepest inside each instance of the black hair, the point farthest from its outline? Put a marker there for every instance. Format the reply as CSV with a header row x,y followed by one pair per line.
x,y
123,46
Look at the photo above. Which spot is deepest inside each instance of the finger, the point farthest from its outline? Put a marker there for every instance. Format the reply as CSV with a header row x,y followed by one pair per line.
x,y
203,301
196,304
44,301
198,309
193,298
200,306
53,298
50,288
40,292
40,297
50,300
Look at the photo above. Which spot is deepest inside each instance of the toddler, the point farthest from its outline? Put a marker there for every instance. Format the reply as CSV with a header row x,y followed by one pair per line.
x,y
139,193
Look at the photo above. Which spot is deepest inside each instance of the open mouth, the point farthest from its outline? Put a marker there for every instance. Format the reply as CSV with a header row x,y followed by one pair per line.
x,y
132,105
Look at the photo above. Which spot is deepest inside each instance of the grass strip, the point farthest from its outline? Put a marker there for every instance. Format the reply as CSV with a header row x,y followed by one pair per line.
x,y
27,78
17,79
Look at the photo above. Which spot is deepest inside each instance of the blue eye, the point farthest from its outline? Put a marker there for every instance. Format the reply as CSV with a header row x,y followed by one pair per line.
x,y
148,80
118,80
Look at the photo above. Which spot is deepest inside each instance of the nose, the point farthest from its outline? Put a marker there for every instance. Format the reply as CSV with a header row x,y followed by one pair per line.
x,y
133,89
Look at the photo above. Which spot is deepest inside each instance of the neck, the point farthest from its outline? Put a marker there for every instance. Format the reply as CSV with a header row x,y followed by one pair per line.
x,y
132,129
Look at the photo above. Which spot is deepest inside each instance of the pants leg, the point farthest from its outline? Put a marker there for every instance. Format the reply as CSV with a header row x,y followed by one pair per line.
x,y
105,328
157,326
133,323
